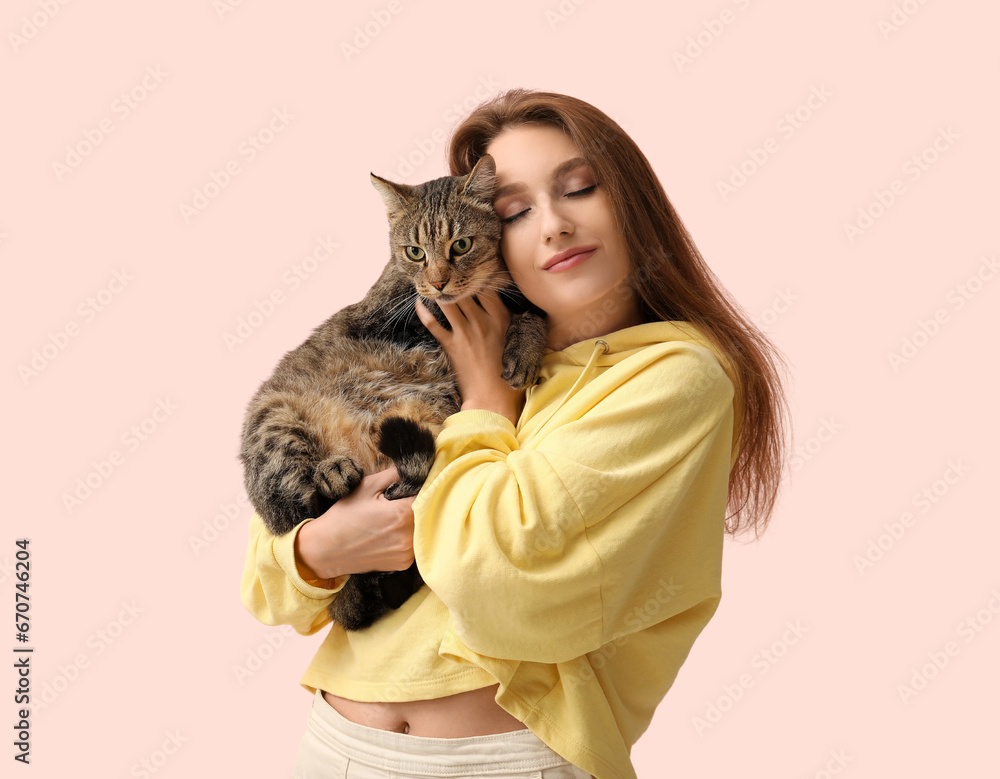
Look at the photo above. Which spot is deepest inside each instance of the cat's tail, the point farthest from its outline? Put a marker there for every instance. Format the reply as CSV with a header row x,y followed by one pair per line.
x,y
410,446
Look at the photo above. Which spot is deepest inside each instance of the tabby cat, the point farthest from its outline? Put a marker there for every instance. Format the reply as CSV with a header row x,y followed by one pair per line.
x,y
371,386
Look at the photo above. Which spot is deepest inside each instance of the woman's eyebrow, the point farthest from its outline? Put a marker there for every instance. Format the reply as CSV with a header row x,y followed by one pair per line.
x,y
519,186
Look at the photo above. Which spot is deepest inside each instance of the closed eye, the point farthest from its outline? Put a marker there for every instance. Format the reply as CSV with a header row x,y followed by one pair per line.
x,y
577,193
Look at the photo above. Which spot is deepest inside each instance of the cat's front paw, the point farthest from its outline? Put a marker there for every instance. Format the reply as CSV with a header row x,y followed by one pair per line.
x,y
517,371
336,476
523,350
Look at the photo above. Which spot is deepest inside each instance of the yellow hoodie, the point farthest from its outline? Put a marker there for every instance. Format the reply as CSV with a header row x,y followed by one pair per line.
x,y
574,558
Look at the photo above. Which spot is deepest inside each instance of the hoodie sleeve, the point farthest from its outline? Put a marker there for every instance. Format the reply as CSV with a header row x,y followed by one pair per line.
x,y
607,521
273,589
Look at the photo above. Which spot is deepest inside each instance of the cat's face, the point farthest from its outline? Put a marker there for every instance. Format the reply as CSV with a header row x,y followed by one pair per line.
x,y
445,234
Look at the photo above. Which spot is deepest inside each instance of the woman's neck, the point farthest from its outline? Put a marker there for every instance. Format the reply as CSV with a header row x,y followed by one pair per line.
x,y
592,324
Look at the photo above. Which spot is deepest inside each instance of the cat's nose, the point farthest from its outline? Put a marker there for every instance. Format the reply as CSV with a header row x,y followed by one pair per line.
x,y
439,285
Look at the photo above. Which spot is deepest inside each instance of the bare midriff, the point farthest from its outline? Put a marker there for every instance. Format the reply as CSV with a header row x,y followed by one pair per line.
x,y
472,713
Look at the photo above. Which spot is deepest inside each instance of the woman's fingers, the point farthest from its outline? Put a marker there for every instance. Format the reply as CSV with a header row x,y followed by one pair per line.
x,y
428,319
454,311
493,306
477,308
483,304
381,480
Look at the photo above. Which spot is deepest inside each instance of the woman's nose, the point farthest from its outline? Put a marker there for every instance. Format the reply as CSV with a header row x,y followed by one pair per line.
x,y
555,222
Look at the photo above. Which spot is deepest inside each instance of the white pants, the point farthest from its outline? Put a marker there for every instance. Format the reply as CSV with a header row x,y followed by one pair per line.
x,y
333,747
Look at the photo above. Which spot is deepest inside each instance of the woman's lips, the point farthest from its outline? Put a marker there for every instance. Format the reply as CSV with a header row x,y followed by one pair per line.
x,y
570,262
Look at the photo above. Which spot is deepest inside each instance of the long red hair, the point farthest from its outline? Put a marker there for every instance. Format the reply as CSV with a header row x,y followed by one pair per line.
x,y
669,275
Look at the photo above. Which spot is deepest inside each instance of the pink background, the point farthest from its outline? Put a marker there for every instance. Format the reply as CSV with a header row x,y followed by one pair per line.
x,y
157,681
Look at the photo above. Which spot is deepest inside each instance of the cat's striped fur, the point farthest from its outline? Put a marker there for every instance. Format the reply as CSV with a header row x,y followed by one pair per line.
x,y
371,386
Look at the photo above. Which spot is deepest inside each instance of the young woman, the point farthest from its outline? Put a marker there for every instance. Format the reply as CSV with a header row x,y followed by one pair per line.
x,y
570,535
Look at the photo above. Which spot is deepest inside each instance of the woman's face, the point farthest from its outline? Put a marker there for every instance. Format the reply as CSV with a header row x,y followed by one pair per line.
x,y
550,202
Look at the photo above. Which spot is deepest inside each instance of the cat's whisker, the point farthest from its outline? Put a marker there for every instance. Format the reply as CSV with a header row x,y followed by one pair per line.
x,y
388,308
495,286
392,304
400,313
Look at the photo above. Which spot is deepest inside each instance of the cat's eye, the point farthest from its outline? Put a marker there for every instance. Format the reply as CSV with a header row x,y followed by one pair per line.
x,y
461,246
414,253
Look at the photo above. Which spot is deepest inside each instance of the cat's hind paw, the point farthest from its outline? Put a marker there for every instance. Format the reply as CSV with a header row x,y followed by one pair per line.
x,y
336,476
410,446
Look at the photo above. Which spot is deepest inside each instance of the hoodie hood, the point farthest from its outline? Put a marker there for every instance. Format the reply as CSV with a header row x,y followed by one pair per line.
x,y
609,349
615,347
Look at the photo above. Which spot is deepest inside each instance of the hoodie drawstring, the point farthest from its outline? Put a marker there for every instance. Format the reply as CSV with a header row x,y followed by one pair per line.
x,y
600,347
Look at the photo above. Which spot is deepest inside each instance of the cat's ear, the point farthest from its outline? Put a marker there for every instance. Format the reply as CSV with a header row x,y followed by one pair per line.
x,y
482,180
394,195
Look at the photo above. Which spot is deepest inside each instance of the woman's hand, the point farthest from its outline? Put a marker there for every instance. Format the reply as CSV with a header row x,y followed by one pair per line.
x,y
475,346
361,532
